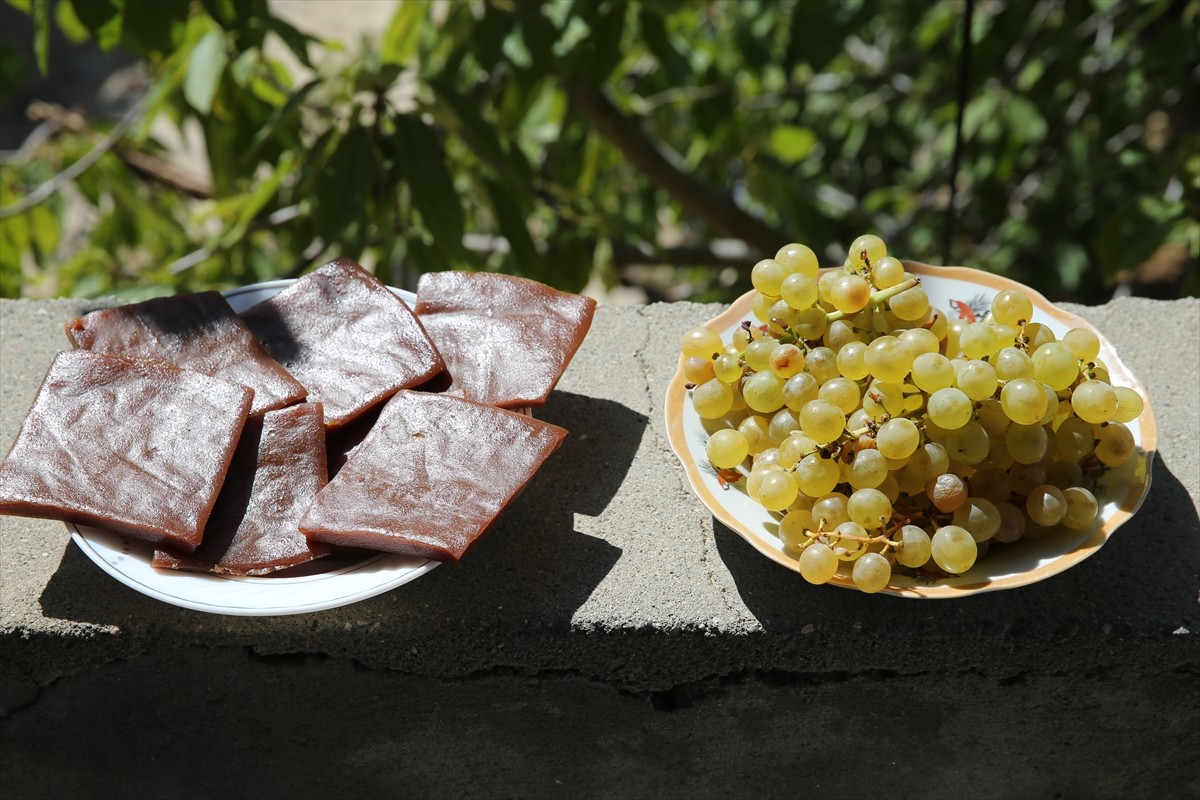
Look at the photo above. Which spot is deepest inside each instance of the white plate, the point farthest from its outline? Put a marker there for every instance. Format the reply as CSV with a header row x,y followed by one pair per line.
x,y
962,292
318,585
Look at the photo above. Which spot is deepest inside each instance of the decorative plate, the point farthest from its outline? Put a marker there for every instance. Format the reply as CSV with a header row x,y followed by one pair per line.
x,y
965,293
318,585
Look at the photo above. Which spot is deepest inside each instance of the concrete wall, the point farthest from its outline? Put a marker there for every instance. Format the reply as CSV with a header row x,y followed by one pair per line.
x,y
608,639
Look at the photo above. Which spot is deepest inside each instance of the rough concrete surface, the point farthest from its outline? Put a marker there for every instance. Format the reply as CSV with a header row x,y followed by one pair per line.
x,y
607,638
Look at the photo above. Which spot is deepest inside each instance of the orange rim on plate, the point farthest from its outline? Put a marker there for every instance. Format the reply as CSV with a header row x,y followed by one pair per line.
x,y
1004,567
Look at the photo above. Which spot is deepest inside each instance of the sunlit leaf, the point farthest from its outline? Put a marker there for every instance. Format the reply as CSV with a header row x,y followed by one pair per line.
x,y
791,143
403,32
204,71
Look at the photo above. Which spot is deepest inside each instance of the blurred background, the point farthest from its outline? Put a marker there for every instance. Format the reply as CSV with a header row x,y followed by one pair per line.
x,y
639,151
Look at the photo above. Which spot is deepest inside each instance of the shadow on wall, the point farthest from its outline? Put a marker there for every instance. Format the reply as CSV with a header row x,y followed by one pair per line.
x,y
532,566
1143,579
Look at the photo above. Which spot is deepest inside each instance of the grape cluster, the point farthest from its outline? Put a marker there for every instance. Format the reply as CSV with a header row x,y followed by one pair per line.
x,y
886,436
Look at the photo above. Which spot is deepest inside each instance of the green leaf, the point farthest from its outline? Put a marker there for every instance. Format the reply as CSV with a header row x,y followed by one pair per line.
x,y
69,23
431,183
480,136
400,39
204,71
1027,124
40,14
791,143
344,186
297,41
510,217
256,200
281,113
103,18
152,28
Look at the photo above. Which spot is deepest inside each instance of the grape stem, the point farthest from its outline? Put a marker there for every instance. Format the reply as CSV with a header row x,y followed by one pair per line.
x,y
878,297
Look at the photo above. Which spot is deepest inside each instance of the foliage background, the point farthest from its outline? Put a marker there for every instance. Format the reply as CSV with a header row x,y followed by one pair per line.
x,y
663,143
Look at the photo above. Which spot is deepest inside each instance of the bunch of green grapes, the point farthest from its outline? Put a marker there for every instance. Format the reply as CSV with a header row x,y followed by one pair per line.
x,y
885,437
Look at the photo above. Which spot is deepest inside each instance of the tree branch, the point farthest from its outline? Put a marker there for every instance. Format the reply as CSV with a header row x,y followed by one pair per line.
x,y
696,197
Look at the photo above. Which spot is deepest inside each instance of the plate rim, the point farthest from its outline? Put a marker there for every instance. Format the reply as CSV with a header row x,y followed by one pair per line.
x,y
397,575
1127,506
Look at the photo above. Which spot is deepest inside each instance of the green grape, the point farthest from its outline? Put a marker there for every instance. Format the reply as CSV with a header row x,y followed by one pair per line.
x,y
1004,334
991,416
758,353
816,475
783,423
728,368
883,399
979,516
932,371
1081,508
871,573
786,360
1064,474
712,399
947,492
978,340
839,334
1023,400
1129,404
783,318
1022,478
825,284
763,392
767,275
842,392
1012,363
1039,335
920,340
1055,365
830,511
848,546
822,421
1094,401
1099,371
887,272
1026,443
818,564
777,490
898,438
755,430
953,549
1046,505
868,469
889,359
851,361
1012,523
799,389
741,339
798,258
969,444
939,323
758,473
1075,439
761,307
1114,444
799,291
931,459
822,364
769,455
700,342
910,305
1084,344
810,324
866,250
890,488
1052,406
869,508
795,447
954,330
697,369
949,409
990,483
793,526
914,550
727,448
850,294
1012,307
977,380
